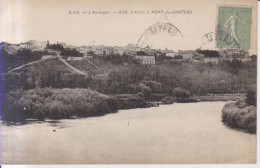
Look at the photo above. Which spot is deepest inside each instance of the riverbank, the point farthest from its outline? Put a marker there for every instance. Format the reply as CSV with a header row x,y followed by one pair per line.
x,y
239,115
220,97
53,103
129,101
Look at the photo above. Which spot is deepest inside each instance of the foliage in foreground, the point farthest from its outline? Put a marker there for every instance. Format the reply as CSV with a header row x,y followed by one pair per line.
x,y
56,104
251,97
240,115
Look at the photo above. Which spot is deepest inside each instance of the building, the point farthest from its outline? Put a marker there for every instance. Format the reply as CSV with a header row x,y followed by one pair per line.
x,y
34,45
100,50
233,53
158,52
84,49
186,54
72,47
147,50
118,50
213,60
89,56
130,49
26,45
146,60
168,53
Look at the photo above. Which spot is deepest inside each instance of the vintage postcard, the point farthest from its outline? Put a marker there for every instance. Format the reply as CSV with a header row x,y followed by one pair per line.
x,y
128,82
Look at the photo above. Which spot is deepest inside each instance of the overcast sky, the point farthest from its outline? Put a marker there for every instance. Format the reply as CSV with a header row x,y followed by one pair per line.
x,y
23,20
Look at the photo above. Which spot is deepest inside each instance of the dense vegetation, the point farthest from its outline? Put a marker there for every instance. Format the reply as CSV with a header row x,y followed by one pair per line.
x,y
209,53
197,78
55,104
180,93
115,75
251,97
119,59
240,115
70,52
23,56
54,46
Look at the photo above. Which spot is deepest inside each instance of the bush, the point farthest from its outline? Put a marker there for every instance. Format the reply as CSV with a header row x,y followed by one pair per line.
x,y
251,97
241,118
155,87
145,90
56,104
180,93
112,104
241,104
132,102
141,87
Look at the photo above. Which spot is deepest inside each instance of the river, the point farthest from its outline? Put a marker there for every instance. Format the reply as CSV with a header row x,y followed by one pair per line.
x,y
176,133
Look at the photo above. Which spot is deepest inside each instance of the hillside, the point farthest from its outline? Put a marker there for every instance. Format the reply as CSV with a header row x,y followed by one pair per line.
x,y
110,76
98,68
82,65
46,66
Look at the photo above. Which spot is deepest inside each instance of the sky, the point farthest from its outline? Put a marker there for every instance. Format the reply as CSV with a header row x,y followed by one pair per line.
x,y
24,20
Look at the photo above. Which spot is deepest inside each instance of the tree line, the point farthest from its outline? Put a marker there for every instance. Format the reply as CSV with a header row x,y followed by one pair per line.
x,y
197,78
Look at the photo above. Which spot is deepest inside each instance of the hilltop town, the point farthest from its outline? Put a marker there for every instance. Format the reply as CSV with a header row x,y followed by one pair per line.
x,y
145,55
120,70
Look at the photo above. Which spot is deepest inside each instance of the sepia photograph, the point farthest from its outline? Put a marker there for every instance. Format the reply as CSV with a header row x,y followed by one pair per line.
x,y
128,82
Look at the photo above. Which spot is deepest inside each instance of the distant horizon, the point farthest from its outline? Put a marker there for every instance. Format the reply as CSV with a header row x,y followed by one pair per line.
x,y
24,20
216,49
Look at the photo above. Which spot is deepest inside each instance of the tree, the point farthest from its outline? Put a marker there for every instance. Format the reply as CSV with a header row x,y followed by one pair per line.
x,y
141,53
55,46
178,57
209,53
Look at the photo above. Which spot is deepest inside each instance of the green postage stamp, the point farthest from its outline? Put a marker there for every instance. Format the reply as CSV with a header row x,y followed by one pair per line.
x,y
234,27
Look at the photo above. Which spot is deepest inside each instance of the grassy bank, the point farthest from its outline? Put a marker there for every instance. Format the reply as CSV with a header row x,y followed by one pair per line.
x,y
220,97
239,115
131,101
56,104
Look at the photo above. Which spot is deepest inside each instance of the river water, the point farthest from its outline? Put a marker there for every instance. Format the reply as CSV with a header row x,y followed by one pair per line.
x,y
177,133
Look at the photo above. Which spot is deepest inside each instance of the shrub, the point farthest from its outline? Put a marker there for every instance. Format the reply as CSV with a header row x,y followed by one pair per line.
x,y
241,118
56,110
112,104
180,93
156,87
145,90
13,109
251,97
56,104
241,104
